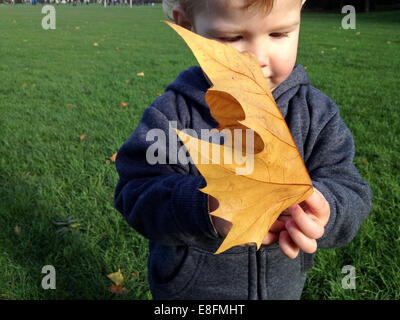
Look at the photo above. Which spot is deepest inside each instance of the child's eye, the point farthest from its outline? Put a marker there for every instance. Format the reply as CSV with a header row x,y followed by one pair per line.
x,y
234,39
278,35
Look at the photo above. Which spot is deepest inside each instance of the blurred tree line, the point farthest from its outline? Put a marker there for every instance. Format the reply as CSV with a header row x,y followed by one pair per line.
x,y
330,5
360,5
337,5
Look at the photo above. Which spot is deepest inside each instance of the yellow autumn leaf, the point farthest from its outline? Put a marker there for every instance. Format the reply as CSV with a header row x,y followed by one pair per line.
x,y
116,277
240,98
112,158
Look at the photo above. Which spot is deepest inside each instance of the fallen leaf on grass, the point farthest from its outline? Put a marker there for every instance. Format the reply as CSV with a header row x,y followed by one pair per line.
x,y
112,158
96,44
140,74
116,289
241,99
82,137
123,104
66,225
17,229
116,277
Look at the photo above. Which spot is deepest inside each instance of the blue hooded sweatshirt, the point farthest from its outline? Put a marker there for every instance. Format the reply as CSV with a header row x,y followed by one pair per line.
x,y
163,202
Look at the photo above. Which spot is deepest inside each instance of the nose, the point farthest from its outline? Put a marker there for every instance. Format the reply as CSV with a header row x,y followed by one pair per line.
x,y
260,48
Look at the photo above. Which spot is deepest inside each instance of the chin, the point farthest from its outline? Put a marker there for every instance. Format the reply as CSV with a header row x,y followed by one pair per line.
x,y
271,86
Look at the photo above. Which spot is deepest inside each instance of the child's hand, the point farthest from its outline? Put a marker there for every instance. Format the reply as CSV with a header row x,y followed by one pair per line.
x,y
305,223
223,226
296,228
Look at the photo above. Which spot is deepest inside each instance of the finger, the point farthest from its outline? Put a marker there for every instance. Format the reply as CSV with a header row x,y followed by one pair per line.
x,y
305,222
317,205
277,226
270,238
284,219
299,238
287,246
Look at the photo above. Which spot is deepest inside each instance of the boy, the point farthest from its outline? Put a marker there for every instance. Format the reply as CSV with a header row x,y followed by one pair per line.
x,y
162,201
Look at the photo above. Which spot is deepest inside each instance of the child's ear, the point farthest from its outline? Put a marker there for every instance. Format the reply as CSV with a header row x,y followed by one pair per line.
x,y
180,18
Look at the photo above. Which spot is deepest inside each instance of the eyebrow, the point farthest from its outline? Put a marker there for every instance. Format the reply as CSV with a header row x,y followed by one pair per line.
x,y
288,25
212,30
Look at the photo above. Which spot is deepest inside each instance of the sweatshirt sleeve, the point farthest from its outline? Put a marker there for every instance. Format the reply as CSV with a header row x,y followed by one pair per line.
x,y
160,201
333,173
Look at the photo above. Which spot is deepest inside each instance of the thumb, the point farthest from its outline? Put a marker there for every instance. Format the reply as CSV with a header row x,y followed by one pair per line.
x,y
317,205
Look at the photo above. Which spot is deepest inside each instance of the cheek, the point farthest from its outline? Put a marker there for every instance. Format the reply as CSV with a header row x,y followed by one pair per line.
x,y
283,63
238,45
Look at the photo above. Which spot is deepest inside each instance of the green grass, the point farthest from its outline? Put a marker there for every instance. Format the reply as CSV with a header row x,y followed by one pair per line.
x,y
56,85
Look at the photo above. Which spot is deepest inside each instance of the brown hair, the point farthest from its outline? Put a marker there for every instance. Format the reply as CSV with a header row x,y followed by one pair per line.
x,y
191,6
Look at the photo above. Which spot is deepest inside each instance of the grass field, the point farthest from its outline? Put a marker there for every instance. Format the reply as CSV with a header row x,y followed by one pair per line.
x,y
58,85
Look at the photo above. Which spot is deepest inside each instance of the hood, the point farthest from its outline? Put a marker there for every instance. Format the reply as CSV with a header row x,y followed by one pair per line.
x,y
297,77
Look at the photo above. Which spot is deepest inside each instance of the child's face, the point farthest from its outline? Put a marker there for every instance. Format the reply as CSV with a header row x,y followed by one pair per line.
x,y
273,38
